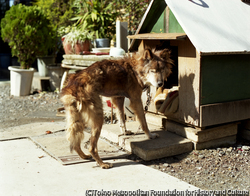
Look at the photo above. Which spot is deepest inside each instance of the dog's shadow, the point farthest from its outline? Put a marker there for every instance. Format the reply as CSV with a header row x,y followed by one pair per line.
x,y
116,161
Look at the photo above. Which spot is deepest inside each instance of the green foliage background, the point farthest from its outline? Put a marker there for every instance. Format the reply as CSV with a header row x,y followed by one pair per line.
x,y
99,15
59,12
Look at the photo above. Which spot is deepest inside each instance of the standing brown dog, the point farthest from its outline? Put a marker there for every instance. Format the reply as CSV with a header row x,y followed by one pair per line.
x,y
117,79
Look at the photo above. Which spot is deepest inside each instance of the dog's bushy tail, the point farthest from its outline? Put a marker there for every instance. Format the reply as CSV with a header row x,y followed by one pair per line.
x,y
75,123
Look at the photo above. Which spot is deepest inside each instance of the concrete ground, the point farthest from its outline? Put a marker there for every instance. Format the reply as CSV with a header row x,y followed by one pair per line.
x,y
30,165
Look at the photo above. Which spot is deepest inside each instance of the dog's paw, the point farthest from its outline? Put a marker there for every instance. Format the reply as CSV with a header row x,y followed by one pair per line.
x,y
106,165
153,135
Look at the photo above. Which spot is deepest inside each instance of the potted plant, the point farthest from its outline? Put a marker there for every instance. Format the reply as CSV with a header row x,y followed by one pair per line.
x,y
97,16
77,41
28,33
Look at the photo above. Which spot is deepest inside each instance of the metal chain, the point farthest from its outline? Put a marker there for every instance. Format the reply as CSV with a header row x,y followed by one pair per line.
x,y
146,106
148,99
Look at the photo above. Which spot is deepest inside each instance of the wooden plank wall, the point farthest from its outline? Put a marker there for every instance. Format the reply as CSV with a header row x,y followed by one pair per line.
x,y
189,82
213,114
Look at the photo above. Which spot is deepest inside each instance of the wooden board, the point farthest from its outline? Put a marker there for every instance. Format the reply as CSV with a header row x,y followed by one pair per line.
x,y
159,36
189,82
148,44
83,60
201,135
213,114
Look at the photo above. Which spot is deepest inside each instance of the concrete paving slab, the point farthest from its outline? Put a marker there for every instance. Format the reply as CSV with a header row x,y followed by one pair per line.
x,y
112,131
168,144
54,144
57,146
33,129
27,170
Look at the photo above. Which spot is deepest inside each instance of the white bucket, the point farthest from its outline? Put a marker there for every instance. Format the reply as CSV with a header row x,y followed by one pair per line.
x,y
20,80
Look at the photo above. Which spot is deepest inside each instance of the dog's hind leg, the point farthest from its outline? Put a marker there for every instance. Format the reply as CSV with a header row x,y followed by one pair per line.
x,y
75,125
95,115
137,107
119,103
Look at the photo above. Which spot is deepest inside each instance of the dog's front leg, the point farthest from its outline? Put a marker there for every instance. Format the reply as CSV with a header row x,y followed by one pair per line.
x,y
137,106
119,104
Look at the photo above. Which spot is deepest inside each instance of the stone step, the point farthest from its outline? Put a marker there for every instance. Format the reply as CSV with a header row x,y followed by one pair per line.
x,y
168,144
220,135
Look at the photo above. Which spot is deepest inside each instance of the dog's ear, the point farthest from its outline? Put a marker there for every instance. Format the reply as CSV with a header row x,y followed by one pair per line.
x,y
165,54
148,54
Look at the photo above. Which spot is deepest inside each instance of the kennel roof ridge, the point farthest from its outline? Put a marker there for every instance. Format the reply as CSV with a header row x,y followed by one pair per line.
x,y
214,27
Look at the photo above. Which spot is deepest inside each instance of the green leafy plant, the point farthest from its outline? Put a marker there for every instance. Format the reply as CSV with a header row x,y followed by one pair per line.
x,y
58,12
131,11
97,16
28,33
75,35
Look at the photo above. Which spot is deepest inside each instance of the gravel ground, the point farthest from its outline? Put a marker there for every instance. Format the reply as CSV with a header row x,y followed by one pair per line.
x,y
39,107
210,169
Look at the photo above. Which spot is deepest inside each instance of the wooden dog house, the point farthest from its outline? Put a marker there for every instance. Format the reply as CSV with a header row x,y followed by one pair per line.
x,y
210,43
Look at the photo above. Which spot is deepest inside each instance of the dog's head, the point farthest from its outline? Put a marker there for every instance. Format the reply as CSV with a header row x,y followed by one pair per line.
x,y
155,67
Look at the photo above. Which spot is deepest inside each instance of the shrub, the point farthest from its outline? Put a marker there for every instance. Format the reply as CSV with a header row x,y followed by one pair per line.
x,y
58,12
28,33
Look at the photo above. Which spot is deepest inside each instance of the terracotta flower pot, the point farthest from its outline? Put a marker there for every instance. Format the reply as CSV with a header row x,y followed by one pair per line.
x,y
82,46
78,48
